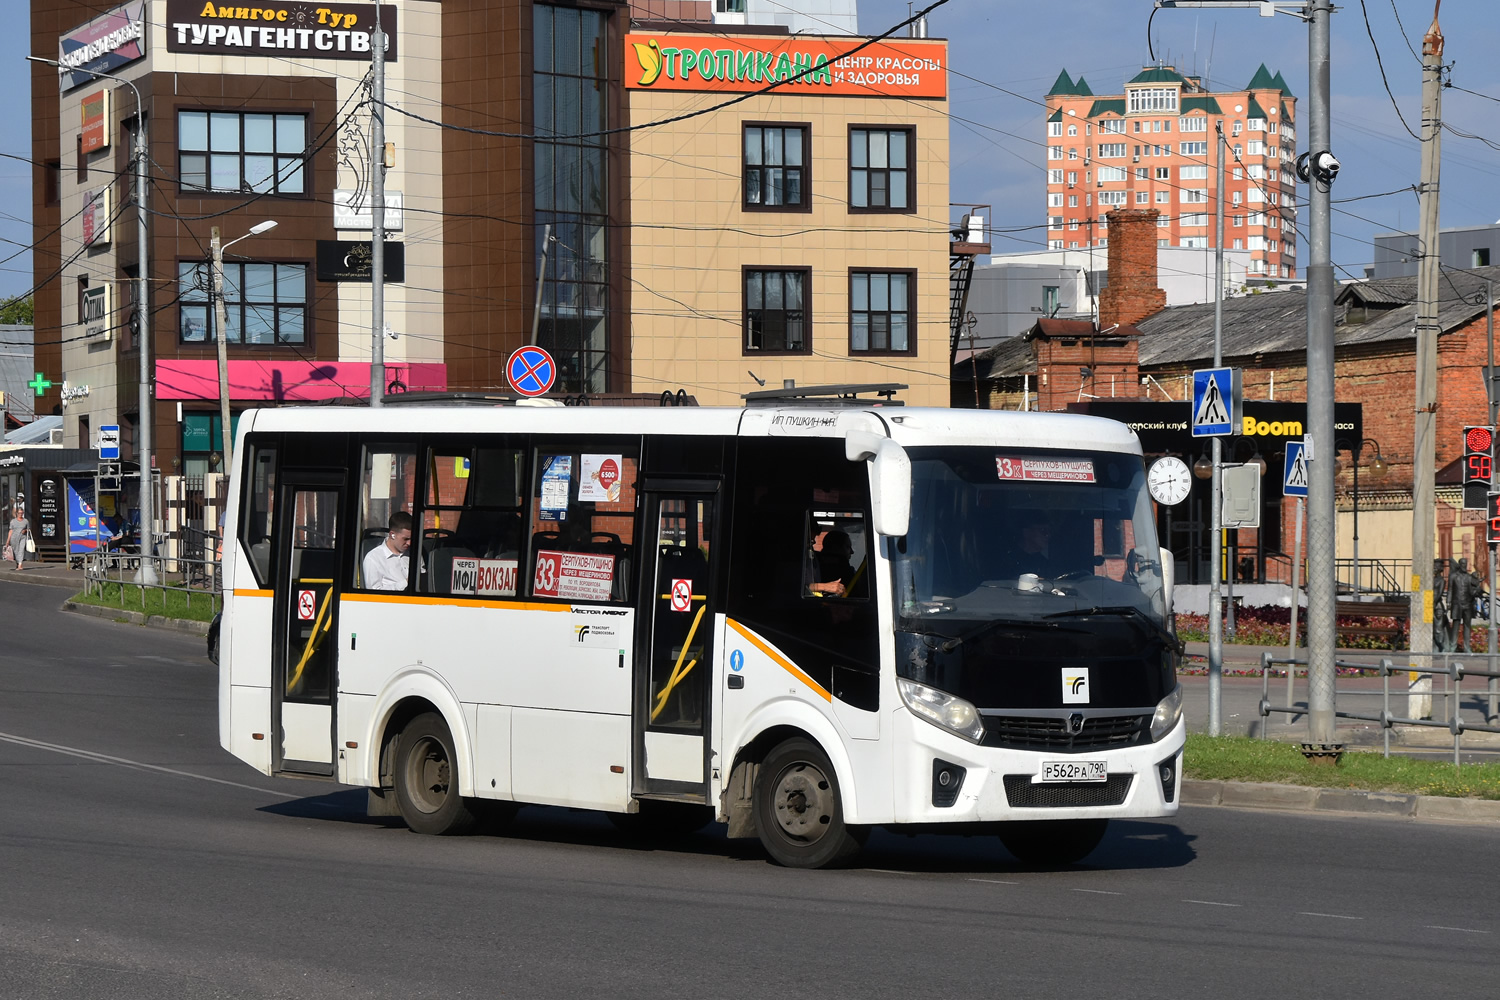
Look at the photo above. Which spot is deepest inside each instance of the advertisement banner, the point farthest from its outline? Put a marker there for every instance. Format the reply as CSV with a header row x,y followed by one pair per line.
x,y
96,217
278,28
103,45
84,531
813,66
94,113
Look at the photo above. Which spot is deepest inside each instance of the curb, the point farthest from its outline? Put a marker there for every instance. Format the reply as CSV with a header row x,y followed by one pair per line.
x,y
1303,798
136,618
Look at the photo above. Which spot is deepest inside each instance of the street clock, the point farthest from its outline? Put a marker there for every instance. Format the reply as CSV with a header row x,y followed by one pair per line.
x,y
1169,480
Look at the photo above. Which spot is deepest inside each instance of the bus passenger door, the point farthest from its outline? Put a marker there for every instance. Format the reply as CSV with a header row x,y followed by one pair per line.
x,y
675,645
305,678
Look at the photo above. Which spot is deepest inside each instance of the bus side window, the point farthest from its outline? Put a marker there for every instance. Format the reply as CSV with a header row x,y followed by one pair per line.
x,y
470,538
583,521
387,486
255,519
835,564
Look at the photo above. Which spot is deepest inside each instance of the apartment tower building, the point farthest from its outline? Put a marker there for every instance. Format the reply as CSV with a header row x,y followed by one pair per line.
x,y
1152,146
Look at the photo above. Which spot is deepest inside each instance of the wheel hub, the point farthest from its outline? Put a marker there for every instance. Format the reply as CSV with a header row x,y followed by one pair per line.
x,y
804,800
431,770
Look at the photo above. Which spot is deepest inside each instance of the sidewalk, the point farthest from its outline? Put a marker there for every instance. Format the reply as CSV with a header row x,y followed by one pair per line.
x,y
43,574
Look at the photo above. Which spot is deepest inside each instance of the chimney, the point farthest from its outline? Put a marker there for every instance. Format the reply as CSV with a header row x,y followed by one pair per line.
x,y
1131,294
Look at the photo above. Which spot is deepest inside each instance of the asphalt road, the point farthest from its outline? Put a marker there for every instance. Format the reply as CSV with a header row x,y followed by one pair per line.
x,y
137,860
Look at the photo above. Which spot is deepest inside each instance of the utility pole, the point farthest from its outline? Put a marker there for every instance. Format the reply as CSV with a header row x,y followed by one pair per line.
x,y
1424,422
377,213
1216,502
221,338
1489,390
1321,622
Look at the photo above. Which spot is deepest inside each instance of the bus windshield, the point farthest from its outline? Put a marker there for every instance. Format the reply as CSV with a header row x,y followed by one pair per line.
x,y
1026,535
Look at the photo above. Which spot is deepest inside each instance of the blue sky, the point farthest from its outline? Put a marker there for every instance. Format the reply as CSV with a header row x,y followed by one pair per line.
x,y
1020,45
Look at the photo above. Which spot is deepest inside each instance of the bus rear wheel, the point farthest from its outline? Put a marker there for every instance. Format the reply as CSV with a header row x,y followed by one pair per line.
x,y
426,778
799,813
1052,843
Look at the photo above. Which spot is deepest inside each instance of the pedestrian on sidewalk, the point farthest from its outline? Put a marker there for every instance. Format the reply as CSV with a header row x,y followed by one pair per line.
x,y
20,532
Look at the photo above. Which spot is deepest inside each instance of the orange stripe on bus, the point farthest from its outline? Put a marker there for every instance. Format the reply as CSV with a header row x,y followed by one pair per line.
x,y
451,602
786,664
253,593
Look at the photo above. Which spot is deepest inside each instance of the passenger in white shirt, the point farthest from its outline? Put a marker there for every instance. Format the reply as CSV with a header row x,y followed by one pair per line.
x,y
387,565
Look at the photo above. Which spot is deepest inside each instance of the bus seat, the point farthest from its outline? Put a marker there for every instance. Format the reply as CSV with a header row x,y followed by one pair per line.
x,y
440,567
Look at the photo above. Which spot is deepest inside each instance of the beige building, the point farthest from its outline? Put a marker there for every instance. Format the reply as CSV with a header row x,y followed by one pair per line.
x,y
798,234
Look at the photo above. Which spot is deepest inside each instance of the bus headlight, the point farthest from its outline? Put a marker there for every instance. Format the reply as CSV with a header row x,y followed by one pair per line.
x,y
942,709
1168,711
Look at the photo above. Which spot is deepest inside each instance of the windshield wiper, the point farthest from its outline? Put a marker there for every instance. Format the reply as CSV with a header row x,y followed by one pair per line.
x,y
994,623
1134,614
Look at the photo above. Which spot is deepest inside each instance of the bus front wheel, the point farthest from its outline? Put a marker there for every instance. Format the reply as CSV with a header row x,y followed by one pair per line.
x,y
1052,843
426,778
799,813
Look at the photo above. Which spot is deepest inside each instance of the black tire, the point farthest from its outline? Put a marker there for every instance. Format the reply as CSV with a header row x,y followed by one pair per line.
x,y
426,779
663,820
1052,843
799,810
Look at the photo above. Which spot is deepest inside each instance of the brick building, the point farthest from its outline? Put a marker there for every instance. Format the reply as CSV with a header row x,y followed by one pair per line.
x,y
1151,355
1153,145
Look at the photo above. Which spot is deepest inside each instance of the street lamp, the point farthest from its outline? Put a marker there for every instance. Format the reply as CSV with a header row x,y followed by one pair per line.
x,y
221,330
1378,467
143,318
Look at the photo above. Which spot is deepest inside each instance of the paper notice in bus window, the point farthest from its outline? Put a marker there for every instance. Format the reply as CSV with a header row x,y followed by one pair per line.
x,y
599,478
484,577
577,576
1046,470
557,474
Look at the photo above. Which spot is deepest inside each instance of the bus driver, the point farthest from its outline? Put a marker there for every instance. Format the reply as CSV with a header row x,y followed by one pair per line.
x,y
387,565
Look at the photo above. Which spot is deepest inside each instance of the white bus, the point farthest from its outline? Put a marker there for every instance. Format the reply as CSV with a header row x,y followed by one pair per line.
x,y
804,620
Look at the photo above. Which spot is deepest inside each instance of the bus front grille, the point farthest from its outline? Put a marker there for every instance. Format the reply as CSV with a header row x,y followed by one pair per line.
x,y
1025,732
1021,792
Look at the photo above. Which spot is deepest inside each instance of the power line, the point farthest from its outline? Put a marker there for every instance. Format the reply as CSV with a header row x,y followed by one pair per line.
x,y
1381,66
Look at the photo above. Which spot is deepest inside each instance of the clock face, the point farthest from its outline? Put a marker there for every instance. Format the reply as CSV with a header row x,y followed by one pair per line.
x,y
1169,480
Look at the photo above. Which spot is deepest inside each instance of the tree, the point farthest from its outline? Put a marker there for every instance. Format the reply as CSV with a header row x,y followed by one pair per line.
x,y
18,311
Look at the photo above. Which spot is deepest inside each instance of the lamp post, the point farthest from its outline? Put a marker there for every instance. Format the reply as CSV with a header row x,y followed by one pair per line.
x,y
221,330
143,317
1378,467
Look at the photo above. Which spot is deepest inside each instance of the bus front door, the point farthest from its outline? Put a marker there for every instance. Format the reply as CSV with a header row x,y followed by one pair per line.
x,y
675,648
305,675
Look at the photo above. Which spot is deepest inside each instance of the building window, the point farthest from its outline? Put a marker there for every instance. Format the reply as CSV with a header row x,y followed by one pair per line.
x,y
570,70
776,311
1072,223
880,310
1073,245
776,166
1192,125
1054,128
1112,197
1107,174
1193,148
1055,200
1480,257
241,153
1239,244
1257,147
1193,196
1163,173
1163,221
1141,172
1142,197
1163,197
1144,99
1239,220
1256,124
1054,244
1239,173
1111,149
880,172
1236,196
730,6
1054,177
1054,152
1049,299
1197,173
266,303
1072,152
1115,126
1072,129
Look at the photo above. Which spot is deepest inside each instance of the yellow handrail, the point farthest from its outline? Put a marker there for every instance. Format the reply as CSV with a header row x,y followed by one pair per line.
x,y
678,673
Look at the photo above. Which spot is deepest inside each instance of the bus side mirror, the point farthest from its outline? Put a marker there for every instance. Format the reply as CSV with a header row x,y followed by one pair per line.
x,y
890,481
1168,571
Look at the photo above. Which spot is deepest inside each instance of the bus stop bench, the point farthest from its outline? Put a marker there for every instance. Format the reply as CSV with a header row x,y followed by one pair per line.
x,y
1398,611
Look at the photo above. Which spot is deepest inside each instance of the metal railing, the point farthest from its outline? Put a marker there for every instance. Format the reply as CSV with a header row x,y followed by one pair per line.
x,y
111,575
1453,669
1376,576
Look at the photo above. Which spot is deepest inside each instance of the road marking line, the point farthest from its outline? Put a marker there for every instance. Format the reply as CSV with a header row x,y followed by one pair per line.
x,y
134,764
991,881
1461,930
1334,916
1209,902
1099,892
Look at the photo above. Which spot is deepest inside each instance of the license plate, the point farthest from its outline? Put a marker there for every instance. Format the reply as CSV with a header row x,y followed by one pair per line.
x,y
1075,770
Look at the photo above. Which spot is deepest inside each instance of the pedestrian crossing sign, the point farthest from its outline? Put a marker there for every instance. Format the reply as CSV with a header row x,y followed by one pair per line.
x,y
1216,402
1295,479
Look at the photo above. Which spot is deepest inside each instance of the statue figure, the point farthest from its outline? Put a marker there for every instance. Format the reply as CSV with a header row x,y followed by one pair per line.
x,y
1463,594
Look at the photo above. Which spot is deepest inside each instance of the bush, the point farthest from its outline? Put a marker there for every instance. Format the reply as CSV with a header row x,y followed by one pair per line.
x,y
1270,626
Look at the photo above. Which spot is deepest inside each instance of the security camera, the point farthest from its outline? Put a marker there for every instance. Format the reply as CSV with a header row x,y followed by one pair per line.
x,y
1325,166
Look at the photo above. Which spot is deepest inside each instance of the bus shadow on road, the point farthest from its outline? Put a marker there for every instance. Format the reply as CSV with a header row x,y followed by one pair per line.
x,y
1128,844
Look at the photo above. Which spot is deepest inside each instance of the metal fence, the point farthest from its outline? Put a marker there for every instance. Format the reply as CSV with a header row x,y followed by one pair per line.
x,y
194,571
1454,668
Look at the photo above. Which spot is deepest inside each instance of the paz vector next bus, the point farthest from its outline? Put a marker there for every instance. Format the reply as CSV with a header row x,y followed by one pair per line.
x,y
805,618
